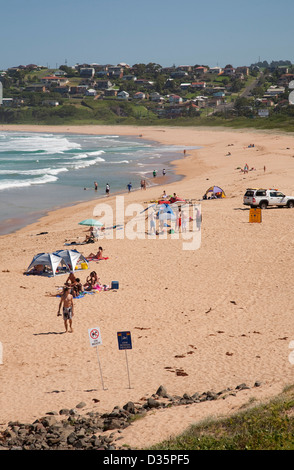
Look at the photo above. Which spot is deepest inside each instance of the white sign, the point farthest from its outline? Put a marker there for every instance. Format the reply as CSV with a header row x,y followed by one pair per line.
x,y
94,336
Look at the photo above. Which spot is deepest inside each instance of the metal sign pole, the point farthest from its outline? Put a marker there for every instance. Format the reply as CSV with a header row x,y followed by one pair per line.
x,y
100,368
128,368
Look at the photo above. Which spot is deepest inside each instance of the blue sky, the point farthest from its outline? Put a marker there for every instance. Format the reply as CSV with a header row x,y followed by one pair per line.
x,y
180,32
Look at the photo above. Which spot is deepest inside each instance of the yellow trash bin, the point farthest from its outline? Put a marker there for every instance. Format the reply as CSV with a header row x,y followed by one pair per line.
x,y
255,215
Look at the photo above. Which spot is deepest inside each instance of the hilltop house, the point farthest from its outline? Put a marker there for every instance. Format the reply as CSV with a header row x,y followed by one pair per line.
x,y
229,70
201,69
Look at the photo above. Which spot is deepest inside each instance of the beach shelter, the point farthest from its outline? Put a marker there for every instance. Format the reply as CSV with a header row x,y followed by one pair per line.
x,y
166,212
72,258
50,262
216,191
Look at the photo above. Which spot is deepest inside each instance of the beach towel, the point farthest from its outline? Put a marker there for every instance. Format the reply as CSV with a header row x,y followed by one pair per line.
x,y
97,259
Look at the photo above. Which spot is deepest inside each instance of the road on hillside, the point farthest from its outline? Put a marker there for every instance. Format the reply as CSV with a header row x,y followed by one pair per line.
x,y
222,108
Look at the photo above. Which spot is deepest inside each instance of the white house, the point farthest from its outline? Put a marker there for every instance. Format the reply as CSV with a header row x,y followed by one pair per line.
x,y
91,92
123,95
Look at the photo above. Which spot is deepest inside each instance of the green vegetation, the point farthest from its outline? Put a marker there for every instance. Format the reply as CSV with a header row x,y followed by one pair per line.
x,y
242,95
264,427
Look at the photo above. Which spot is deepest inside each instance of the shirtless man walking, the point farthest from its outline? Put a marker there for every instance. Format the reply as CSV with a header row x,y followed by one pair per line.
x,y
68,310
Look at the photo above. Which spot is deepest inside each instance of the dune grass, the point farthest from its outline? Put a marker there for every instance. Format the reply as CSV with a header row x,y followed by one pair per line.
x,y
267,426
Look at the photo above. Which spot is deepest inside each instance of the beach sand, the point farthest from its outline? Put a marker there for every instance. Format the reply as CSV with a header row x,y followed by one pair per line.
x,y
222,314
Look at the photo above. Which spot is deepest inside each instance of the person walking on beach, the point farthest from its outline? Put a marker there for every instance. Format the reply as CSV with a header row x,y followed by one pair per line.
x,y
129,186
107,189
154,173
68,308
163,172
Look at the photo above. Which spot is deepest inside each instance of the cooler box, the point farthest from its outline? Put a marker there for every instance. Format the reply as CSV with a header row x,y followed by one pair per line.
x,y
114,285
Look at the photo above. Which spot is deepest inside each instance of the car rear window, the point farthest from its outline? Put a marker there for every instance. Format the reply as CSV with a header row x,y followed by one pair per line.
x,y
249,193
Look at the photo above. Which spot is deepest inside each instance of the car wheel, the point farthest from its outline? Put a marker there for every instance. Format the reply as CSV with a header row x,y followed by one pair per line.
x,y
290,204
263,205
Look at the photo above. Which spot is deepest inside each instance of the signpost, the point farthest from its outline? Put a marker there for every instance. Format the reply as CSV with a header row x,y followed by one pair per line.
x,y
125,343
95,341
255,215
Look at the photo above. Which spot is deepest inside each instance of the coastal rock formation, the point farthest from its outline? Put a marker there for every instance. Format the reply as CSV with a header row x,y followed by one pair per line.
x,y
89,432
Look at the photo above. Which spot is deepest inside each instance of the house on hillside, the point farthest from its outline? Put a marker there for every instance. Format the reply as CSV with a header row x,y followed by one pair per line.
x,y
53,80
175,99
243,70
129,78
179,74
87,72
78,90
216,70
103,84
91,92
110,92
198,85
185,86
123,95
201,69
116,72
36,87
184,68
229,70
155,96
274,91
139,96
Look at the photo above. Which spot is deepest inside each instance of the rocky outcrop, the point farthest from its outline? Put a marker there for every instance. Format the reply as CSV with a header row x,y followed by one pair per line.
x,y
70,430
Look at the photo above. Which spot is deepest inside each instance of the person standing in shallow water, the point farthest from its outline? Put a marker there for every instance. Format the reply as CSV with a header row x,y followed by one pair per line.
x,y
107,189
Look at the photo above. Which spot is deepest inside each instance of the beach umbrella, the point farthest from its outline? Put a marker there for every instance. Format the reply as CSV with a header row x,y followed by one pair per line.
x,y
91,223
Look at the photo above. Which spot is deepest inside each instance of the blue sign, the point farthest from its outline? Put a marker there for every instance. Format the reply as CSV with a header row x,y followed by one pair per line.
x,y
124,340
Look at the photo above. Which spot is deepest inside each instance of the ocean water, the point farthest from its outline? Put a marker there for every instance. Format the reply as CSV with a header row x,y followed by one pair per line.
x,y
44,171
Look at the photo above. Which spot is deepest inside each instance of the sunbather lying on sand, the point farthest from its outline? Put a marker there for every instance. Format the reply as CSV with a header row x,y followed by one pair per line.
x,y
98,255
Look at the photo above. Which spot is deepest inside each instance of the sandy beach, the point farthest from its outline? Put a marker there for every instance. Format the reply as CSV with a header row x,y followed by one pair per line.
x,y
222,314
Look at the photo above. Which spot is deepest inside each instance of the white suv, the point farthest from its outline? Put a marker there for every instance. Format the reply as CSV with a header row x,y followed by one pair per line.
x,y
267,197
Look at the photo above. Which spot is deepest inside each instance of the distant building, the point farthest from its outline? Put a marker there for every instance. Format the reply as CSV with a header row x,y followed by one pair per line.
x,y
87,72
123,95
